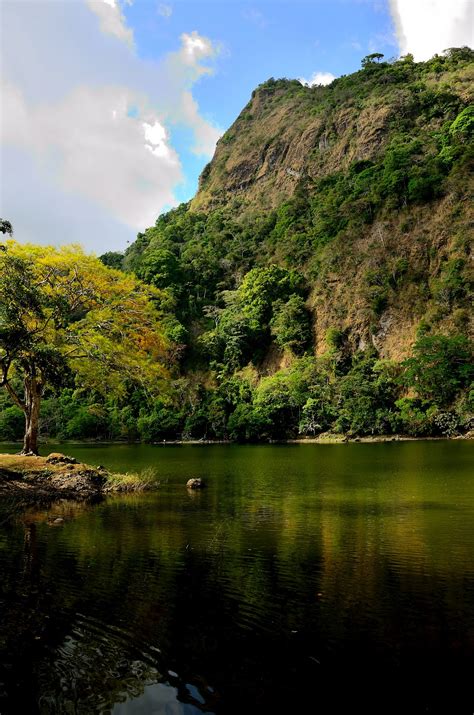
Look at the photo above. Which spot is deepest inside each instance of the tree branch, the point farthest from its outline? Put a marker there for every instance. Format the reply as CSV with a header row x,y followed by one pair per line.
x,y
4,383
16,399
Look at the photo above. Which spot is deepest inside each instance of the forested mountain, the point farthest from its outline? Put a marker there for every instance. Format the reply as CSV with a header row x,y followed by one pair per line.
x,y
320,279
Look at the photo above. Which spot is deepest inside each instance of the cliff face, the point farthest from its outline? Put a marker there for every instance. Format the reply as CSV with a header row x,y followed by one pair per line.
x,y
289,137
288,132
284,136
364,187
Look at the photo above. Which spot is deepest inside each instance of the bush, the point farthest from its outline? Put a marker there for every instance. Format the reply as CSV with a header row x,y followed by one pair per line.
x,y
290,324
440,367
416,416
12,424
367,397
164,422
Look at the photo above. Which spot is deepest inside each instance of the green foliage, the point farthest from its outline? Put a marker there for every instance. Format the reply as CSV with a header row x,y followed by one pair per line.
x,y
245,424
335,338
462,128
264,304
64,312
439,368
6,227
416,416
112,259
369,60
12,424
231,280
367,396
451,287
290,326
164,422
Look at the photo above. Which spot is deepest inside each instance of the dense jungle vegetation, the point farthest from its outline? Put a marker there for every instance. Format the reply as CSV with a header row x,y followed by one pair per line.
x,y
321,280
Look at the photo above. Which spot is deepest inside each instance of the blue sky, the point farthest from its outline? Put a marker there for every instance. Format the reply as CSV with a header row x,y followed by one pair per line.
x,y
111,108
256,41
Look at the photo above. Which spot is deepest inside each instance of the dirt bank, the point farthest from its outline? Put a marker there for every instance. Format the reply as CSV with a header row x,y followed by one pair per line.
x,y
57,476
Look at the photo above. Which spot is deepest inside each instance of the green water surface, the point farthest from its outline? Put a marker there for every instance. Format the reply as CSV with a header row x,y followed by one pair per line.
x,y
304,578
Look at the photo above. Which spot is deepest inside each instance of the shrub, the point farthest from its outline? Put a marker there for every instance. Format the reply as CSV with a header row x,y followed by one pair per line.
x,y
439,368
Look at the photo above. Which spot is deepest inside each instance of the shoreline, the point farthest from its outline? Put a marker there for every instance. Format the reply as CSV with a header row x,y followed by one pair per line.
x,y
57,476
326,438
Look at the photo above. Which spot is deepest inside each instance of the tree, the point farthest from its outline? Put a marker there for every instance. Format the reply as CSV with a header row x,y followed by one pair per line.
x,y
440,366
63,312
112,259
290,324
5,226
369,60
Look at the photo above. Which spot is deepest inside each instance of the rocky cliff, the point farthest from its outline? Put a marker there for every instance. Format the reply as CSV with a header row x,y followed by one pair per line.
x,y
396,254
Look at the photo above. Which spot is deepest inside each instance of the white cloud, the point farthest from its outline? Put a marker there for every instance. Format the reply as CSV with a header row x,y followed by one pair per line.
x,y
112,20
165,10
194,49
90,145
155,139
206,134
318,78
85,125
427,27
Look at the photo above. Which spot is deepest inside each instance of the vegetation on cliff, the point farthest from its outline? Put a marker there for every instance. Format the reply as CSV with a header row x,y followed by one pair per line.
x,y
321,279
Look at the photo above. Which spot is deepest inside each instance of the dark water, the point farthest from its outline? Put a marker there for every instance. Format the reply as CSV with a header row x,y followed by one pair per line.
x,y
304,579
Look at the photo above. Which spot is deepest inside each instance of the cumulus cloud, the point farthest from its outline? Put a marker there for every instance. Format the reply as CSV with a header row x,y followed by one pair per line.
x,y
318,78
112,20
85,124
92,145
427,27
205,134
194,49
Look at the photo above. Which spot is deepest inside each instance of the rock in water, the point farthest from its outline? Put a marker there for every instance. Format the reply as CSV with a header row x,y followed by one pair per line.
x,y
195,484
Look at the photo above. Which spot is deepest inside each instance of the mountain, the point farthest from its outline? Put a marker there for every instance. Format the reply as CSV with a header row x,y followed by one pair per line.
x,y
363,186
321,278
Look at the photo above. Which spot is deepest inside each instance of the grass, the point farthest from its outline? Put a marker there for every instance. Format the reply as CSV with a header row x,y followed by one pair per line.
x,y
21,468
131,481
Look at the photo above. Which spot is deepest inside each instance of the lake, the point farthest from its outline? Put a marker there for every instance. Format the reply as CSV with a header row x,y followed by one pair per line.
x,y
304,578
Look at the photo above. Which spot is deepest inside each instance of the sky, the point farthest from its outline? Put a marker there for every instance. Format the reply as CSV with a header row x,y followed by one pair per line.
x,y
110,109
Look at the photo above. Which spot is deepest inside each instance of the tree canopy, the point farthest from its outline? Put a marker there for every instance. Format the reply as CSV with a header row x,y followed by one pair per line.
x,y
63,311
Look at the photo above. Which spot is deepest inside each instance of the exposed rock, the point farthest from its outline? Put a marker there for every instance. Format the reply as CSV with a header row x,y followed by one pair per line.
x,y
58,458
290,138
195,484
42,480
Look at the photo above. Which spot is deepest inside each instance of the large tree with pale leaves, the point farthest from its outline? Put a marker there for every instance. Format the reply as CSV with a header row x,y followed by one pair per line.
x,y
62,310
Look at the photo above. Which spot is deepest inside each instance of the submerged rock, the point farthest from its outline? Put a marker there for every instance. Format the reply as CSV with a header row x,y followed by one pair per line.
x,y
195,483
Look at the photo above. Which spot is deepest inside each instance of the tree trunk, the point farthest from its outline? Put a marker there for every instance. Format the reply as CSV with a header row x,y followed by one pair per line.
x,y
32,410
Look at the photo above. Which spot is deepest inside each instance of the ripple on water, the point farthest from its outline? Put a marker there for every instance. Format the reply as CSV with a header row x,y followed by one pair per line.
x,y
102,668
293,561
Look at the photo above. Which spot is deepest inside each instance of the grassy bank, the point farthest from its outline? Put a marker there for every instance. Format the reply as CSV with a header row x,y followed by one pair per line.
x,y
57,476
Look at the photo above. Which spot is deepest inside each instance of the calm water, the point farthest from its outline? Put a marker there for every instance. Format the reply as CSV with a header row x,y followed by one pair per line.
x,y
304,579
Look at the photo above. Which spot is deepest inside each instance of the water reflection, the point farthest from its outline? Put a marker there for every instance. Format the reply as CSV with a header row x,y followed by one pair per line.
x,y
294,580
